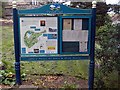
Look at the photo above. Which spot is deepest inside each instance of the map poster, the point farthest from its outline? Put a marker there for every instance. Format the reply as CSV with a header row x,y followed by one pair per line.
x,y
39,35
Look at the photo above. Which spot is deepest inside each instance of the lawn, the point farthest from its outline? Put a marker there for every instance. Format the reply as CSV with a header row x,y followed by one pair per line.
x,y
72,68
0,10
0,42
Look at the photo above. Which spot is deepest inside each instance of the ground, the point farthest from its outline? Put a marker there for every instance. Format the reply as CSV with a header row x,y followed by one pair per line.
x,y
56,81
51,81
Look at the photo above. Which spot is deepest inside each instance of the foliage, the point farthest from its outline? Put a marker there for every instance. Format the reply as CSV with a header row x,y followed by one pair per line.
x,y
2,9
107,54
8,78
7,75
68,86
102,9
115,8
7,44
73,68
8,72
109,40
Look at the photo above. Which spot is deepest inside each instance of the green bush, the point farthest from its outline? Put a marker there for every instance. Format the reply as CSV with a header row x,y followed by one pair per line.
x,y
107,56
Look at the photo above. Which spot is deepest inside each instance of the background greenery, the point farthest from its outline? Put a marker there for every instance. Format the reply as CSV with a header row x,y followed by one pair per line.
x,y
107,53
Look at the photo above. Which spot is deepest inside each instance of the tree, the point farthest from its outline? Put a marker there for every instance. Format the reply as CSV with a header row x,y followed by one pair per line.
x,y
102,9
108,53
115,8
2,8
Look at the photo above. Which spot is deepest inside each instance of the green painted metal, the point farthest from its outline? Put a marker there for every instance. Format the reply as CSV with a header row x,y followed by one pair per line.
x,y
62,10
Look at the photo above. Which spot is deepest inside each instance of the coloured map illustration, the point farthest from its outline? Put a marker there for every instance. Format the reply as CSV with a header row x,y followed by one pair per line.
x,y
30,38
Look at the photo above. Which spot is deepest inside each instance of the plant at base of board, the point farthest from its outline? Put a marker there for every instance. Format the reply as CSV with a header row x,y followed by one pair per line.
x,y
8,78
7,74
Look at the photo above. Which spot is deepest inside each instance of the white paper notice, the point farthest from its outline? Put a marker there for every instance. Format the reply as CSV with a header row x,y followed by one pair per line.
x,y
83,47
51,46
75,35
77,24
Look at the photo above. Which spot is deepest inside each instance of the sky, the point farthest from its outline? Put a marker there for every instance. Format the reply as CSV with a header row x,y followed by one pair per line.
x,y
107,1
112,1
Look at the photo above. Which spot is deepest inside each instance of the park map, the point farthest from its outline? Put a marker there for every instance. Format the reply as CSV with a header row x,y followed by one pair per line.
x,y
38,35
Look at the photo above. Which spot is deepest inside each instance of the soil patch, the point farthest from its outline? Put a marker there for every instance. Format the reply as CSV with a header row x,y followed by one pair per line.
x,y
53,81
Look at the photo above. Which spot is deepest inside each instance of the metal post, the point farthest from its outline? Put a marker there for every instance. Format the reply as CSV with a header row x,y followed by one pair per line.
x,y
92,49
16,44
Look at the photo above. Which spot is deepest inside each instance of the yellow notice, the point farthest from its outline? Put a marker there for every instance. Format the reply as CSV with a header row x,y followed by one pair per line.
x,y
51,48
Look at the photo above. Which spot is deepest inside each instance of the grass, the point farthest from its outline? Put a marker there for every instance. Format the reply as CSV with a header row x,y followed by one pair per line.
x,y
7,44
0,42
74,68
0,10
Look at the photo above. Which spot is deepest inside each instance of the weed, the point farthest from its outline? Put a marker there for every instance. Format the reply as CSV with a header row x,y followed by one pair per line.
x,y
69,86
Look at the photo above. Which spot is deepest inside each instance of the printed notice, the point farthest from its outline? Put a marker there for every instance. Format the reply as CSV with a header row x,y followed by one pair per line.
x,y
75,35
83,47
77,24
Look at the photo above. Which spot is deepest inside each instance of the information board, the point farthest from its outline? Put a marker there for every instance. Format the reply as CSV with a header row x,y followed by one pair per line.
x,y
49,35
39,35
54,32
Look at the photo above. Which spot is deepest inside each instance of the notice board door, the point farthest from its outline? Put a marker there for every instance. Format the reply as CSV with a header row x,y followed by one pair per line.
x,y
75,32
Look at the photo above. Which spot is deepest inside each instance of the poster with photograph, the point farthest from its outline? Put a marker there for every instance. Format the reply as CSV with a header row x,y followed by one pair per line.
x,y
67,24
39,35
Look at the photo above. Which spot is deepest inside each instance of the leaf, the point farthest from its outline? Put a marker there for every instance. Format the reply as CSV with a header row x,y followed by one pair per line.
x,y
12,83
6,81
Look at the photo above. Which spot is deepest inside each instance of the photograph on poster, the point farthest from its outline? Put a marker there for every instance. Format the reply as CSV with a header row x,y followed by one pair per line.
x,y
52,36
42,22
36,50
52,30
